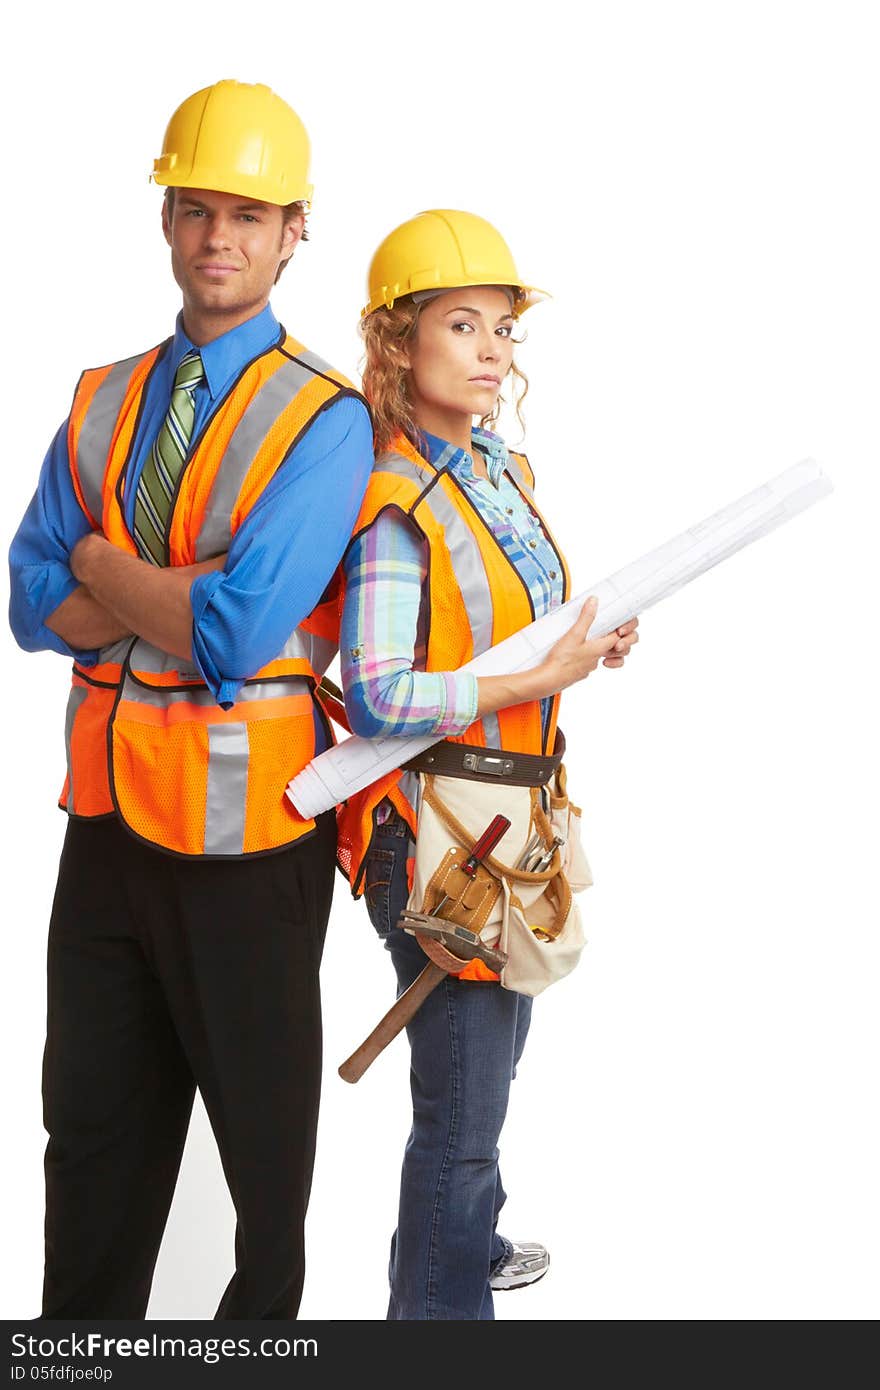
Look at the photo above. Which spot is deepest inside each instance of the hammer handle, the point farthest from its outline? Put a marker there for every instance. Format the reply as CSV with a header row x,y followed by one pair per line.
x,y
397,1017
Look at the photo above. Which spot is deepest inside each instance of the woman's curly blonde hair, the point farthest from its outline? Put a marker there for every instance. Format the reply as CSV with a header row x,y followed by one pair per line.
x,y
386,333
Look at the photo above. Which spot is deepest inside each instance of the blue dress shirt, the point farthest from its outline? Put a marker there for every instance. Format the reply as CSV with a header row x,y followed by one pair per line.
x,y
281,557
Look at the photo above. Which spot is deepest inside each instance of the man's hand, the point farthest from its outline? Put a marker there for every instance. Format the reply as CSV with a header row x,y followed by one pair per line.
x,y
84,623
84,551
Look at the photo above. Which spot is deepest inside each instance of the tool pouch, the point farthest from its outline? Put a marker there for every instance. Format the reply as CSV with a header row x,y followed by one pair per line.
x,y
530,915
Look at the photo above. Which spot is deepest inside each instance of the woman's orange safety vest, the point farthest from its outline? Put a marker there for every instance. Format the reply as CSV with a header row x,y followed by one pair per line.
x,y
145,737
476,598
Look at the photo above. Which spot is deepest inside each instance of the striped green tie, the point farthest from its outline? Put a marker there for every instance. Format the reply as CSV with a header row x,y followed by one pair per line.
x,y
158,481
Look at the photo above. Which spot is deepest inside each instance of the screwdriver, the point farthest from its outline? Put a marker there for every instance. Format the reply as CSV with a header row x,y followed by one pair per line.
x,y
494,831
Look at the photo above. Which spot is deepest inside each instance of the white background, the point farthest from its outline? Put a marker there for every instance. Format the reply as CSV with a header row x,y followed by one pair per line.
x,y
693,1132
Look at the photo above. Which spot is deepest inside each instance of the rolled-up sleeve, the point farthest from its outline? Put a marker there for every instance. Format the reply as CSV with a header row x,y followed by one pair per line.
x,y
381,645
39,569
285,551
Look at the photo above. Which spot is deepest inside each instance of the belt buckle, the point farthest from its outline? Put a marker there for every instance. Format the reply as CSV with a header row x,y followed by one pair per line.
x,y
486,764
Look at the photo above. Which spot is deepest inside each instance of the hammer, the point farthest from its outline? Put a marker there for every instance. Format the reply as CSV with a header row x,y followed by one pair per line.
x,y
447,947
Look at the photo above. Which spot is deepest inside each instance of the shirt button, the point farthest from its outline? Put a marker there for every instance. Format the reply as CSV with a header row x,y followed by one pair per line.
x,y
532,544
552,574
510,511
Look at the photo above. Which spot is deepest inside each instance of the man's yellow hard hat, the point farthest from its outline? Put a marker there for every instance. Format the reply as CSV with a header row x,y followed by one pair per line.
x,y
237,137
443,249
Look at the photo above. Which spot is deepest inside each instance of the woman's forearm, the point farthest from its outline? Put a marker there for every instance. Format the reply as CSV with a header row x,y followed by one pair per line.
x,y
390,698
572,659
499,692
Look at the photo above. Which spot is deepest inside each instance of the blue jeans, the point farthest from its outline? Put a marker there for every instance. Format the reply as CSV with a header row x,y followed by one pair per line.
x,y
466,1040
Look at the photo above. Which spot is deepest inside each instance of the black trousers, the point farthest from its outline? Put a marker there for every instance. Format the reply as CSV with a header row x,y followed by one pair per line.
x,y
166,975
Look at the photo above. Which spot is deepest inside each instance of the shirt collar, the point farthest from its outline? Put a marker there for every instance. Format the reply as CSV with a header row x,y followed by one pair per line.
x,y
445,455
224,357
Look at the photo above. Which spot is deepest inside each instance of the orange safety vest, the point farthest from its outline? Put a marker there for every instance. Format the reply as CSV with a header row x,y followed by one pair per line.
x,y
145,737
476,598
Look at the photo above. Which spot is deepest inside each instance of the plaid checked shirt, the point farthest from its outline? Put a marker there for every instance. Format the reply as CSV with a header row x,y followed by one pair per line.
x,y
382,642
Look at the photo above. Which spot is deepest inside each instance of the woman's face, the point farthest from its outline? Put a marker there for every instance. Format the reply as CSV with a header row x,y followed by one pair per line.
x,y
460,354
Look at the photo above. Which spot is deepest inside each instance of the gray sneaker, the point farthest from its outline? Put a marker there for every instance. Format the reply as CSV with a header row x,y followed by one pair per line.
x,y
528,1263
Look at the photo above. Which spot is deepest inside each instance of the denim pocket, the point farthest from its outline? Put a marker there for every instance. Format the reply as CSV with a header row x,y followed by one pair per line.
x,y
377,888
393,824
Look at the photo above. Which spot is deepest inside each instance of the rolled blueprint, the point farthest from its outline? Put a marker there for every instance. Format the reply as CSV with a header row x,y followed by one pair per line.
x,y
356,762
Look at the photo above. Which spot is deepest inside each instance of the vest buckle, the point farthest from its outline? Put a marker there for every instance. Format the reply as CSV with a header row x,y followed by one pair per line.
x,y
496,767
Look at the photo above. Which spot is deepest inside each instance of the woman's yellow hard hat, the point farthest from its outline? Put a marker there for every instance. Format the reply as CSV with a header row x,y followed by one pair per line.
x,y
443,249
237,137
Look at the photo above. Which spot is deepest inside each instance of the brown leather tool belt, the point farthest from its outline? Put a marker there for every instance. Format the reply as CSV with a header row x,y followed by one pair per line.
x,y
468,760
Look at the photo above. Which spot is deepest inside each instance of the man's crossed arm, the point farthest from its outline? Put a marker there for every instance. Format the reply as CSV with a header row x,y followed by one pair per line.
x,y
120,594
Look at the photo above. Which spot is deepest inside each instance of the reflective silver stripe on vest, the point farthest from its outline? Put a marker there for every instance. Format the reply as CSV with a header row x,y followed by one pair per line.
x,y
148,660
318,651
77,695
160,697
517,472
517,466
492,730
96,432
146,657
298,645
227,789
250,433
115,653
317,364
402,467
323,652
467,562
154,662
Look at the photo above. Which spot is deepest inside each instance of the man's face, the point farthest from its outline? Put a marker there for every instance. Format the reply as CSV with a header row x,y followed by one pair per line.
x,y
225,254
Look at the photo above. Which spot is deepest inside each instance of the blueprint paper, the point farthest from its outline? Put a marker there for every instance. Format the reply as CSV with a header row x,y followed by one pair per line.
x,y
356,762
